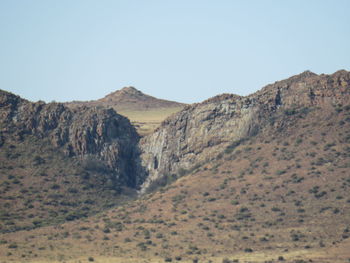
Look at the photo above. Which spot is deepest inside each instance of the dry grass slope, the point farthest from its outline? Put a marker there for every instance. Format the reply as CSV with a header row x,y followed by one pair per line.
x,y
148,120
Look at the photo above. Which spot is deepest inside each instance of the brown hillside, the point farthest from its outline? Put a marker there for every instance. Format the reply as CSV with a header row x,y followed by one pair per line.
x,y
200,131
267,198
263,178
58,164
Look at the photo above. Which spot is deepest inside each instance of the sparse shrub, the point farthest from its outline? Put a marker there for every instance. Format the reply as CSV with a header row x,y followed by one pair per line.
x,y
177,198
73,190
38,160
328,146
37,223
265,164
229,149
73,215
13,245
159,235
55,186
219,156
338,109
106,230
147,234
247,149
290,112
314,189
16,181
182,172
142,246
280,172
263,239
320,194
275,209
304,111
298,141
336,211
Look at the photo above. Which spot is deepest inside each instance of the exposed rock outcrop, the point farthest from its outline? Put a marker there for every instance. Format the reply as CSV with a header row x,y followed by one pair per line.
x,y
194,136
86,133
200,132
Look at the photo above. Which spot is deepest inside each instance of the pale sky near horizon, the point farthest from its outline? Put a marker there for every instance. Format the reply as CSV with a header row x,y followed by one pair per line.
x,y
183,50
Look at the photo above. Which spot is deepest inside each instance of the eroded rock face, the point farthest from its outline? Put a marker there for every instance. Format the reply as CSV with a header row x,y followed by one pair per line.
x,y
200,132
307,89
194,136
86,133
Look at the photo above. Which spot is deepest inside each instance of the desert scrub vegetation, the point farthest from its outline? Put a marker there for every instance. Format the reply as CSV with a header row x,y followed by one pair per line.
x,y
231,147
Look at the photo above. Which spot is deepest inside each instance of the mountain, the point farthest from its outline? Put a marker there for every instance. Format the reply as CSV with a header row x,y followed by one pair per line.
x,y
199,132
59,164
261,178
129,98
144,111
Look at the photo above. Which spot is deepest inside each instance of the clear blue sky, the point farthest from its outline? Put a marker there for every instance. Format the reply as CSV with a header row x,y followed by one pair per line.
x,y
184,50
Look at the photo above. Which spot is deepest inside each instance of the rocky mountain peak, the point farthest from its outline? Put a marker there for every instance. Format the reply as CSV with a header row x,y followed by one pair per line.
x,y
124,93
130,90
130,98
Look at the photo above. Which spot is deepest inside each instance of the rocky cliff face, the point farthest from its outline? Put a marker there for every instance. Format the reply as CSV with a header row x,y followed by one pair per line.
x,y
90,134
200,132
194,136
